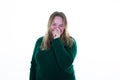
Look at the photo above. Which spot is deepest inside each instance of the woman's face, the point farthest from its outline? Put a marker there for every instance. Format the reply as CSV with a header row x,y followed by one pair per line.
x,y
57,24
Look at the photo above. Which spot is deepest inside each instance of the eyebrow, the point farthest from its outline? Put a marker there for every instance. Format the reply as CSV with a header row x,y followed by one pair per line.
x,y
61,24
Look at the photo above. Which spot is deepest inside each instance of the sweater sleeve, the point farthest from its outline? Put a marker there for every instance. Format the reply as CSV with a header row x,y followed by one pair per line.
x,y
33,62
64,56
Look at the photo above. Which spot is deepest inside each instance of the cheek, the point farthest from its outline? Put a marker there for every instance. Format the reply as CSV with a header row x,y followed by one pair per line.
x,y
51,28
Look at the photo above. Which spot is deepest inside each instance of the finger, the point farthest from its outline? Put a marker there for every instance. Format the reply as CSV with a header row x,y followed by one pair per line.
x,y
58,30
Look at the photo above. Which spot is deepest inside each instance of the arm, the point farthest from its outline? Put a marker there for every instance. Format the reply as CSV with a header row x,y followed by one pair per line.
x,y
64,56
33,63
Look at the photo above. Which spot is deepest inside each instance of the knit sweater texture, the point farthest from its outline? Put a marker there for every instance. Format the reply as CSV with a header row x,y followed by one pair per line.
x,y
56,63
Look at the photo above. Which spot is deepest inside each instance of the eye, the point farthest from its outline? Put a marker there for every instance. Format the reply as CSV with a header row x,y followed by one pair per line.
x,y
61,25
53,24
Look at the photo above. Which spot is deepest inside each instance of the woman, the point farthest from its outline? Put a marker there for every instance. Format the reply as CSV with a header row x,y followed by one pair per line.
x,y
54,53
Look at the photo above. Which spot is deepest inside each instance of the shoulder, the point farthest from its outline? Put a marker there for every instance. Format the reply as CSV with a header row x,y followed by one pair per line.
x,y
39,40
72,39
71,42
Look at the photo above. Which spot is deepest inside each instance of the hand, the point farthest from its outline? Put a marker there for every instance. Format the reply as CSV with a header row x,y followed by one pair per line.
x,y
56,33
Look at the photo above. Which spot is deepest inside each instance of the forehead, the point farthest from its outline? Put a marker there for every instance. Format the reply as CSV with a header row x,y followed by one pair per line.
x,y
57,19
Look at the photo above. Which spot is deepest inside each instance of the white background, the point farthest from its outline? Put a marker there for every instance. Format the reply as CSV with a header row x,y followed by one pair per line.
x,y
95,24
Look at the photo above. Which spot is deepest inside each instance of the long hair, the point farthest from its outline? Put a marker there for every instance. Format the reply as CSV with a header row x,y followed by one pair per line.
x,y
65,37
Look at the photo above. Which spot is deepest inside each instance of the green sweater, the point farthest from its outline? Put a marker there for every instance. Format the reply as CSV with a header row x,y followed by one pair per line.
x,y
55,63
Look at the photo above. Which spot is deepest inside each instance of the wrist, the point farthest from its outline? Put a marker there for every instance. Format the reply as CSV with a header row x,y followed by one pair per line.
x,y
56,37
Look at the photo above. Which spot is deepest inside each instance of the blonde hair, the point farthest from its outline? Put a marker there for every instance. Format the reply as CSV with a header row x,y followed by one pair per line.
x,y
65,37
